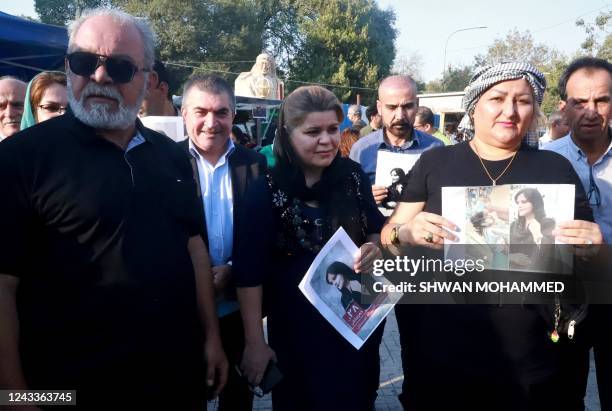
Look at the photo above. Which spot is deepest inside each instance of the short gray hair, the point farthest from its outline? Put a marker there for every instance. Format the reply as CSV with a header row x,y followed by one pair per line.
x,y
211,84
9,77
354,109
119,16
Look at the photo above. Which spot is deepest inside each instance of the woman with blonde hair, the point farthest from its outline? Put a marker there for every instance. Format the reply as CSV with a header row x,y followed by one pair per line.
x,y
308,195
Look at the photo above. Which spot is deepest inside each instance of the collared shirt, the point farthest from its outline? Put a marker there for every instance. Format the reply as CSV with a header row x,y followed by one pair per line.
x,y
218,199
365,150
137,140
602,177
546,138
216,186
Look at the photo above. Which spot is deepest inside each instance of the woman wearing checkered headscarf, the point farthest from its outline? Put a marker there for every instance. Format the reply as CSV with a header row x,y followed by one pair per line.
x,y
488,76
500,356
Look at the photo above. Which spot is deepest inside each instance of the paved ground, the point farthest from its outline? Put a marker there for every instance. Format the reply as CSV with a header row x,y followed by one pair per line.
x,y
391,377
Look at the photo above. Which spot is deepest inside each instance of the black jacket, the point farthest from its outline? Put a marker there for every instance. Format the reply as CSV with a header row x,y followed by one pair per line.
x,y
245,166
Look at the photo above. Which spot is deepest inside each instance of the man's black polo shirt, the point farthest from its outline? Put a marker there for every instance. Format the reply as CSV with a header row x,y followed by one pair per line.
x,y
98,238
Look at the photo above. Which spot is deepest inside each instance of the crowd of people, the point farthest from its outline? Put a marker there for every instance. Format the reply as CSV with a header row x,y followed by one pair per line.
x,y
136,270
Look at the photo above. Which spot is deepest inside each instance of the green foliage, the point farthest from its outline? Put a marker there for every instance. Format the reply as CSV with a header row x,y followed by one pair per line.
x,y
605,49
598,41
59,12
455,79
345,42
552,71
218,36
183,30
517,46
409,65
348,43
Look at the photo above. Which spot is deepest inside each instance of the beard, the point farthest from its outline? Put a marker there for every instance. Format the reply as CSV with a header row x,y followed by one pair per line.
x,y
100,115
401,129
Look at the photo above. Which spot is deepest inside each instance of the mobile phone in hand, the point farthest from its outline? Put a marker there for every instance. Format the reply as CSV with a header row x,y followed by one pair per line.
x,y
272,376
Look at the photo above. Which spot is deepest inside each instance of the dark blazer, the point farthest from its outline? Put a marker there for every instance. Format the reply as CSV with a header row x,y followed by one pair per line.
x,y
245,166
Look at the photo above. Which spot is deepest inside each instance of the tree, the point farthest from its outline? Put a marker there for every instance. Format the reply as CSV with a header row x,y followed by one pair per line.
x,y
343,42
348,43
552,71
598,41
410,65
454,79
219,36
517,46
59,12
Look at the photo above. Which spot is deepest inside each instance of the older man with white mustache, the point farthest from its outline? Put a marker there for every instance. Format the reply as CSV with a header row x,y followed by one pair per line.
x,y
105,282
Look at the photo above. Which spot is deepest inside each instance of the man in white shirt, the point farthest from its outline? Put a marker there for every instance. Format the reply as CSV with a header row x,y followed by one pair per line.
x,y
585,88
224,171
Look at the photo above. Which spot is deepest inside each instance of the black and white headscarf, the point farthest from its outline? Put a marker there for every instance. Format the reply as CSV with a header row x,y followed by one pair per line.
x,y
486,77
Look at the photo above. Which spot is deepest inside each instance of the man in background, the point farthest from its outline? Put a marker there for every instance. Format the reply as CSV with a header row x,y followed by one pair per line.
x,y
158,101
374,121
397,104
425,122
354,116
12,96
557,128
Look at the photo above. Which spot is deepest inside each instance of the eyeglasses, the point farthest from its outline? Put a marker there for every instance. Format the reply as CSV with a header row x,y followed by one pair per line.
x,y
120,70
593,194
53,108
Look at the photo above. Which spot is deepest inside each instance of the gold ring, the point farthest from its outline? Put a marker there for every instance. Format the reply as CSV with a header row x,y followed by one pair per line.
x,y
429,238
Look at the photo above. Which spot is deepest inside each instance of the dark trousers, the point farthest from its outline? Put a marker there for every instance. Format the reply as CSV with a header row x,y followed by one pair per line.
x,y
574,372
563,391
236,395
602,345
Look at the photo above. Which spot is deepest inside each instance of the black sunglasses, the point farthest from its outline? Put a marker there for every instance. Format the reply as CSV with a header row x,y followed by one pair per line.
x,y
120,70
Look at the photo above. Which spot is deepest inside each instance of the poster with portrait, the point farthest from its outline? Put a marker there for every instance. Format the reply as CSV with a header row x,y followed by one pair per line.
x,y
170,126
509,227
344,298
391,170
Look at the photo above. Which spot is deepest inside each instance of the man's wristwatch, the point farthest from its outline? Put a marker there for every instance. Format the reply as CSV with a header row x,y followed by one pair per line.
x,y
395,240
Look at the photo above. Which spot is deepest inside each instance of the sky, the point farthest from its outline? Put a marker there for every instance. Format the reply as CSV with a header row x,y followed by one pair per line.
x,y
425,26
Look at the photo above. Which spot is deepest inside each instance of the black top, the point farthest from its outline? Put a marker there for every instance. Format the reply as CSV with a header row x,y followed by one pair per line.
x,y
494,343
98,238
458,166
311,354
253,262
